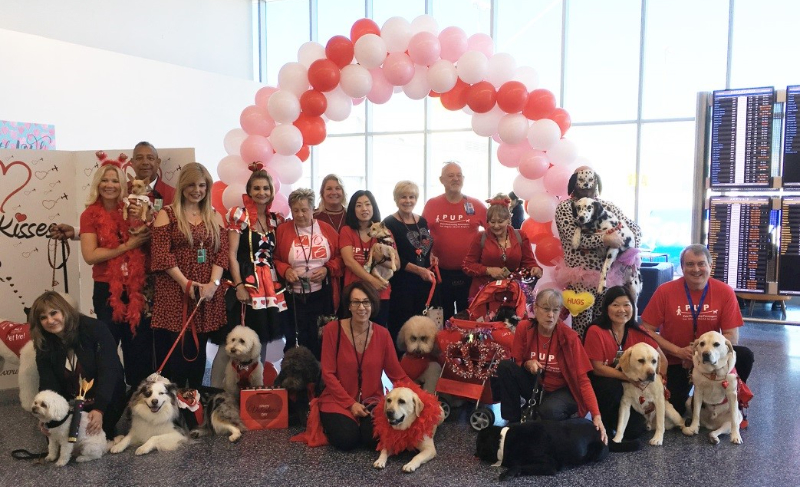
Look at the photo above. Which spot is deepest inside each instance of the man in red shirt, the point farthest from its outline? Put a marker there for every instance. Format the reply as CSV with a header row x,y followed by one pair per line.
x,y
684,309
453,220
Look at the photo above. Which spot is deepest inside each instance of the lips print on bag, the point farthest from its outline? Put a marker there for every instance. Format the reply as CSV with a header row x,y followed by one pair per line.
x,y
421,240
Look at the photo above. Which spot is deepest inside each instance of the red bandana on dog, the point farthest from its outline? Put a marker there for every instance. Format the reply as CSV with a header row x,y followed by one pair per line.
x,y
395,441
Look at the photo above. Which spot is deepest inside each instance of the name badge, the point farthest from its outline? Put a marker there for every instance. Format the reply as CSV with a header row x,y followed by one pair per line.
x,y
469,208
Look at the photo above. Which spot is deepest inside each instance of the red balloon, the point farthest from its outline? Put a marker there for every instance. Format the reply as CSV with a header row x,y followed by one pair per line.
x,y
511,96
549,251
481,97
312,128
562,118
534,230
323,74
456,98
362,27
340,50
541,103
216,196
303,153
313,103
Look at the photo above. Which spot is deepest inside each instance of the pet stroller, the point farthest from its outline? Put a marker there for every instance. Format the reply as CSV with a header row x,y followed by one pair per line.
x,y
473,347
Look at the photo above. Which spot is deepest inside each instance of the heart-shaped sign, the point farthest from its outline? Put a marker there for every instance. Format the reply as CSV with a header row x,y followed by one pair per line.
x,y
14,184
264,407
577,303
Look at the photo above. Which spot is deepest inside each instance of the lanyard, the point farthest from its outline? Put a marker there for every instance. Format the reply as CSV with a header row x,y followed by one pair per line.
x,y
310,243
695,312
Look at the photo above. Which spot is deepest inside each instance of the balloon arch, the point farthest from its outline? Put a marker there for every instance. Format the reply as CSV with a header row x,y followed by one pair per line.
x,y
375,62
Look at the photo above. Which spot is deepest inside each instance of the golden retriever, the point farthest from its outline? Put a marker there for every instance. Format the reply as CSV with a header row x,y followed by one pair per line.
x,y
715,404
645,393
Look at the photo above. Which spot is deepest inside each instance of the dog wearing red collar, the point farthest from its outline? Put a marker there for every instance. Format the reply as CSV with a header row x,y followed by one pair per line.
x,y
715,405
244,368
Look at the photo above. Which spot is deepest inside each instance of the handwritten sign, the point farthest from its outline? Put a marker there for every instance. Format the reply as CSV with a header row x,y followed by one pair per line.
x,y
25,135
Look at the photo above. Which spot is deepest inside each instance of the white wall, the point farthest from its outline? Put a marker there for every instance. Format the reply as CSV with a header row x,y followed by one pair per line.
x,y
98,98
211,35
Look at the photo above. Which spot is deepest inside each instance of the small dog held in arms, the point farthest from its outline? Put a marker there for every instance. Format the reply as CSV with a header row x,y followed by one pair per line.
x,y
54,411
592,217
417,338
639,363
301,376
244,368
154,412
405,420
715,404
383,258
138,196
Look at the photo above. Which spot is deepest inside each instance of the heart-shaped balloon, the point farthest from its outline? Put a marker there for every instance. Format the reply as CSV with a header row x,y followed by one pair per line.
x,y
577,303
264,407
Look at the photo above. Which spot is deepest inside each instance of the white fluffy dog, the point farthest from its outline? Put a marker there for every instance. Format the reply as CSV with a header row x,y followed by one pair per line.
x,y
244,368
417,338
154,412
715,404
640,364
54,411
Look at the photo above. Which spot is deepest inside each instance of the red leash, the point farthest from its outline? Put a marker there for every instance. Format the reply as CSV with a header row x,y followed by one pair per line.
x,y
186,322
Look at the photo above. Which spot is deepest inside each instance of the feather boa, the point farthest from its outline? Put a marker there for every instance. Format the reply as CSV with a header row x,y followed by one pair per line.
x,y
112,231
395,441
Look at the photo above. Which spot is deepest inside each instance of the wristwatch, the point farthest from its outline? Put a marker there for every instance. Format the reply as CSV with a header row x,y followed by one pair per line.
x,y
217,282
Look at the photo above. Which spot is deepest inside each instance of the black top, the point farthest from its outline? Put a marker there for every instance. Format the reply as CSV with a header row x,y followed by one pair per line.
x,y
97,359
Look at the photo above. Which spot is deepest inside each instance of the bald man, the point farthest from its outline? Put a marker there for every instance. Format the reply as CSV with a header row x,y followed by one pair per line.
x,y
453,219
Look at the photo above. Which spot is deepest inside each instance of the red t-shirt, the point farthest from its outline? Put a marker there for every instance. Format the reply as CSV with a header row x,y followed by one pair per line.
x,y
350,238
453,226
601,346
669,311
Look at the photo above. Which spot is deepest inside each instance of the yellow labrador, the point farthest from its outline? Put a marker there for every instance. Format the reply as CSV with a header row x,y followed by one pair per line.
x,y
645,394
401,408
715,404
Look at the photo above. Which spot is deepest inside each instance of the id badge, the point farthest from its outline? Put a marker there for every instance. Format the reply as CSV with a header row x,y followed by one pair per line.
x,y
201,256
469,208
158,203
616,358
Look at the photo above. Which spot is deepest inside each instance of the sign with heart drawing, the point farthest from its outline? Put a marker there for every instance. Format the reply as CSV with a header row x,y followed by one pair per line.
x,y
264,408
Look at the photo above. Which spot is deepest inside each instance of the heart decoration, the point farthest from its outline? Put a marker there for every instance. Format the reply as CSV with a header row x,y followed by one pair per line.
x,y
264,407
21,217
577,303
49,204
5,169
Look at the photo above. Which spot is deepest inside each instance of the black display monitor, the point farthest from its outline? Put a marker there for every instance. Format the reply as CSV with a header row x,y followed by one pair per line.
x,y
791,139
741,138
789,259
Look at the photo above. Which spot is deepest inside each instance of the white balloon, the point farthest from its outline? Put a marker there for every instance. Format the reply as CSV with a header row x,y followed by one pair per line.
x,y
513,128
283,106
542,206
442,76
355,80
485,124
527,76
502,67
310,52
232,195
543,134
563,153
396,32
288,168
370,51
418,88
339,105
286,139
293,77
233,140
232,169
472,67
425,23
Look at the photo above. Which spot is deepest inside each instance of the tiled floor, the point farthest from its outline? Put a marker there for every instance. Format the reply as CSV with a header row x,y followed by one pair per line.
x,y
770,455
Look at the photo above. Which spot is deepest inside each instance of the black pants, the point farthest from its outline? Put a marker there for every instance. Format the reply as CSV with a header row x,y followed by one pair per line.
x,y
187,364
137,350
300,324
679,384
512,382
455,291
345,434
609,394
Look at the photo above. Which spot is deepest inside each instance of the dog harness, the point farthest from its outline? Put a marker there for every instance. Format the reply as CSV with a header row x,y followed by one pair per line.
x,y
15,335
244,371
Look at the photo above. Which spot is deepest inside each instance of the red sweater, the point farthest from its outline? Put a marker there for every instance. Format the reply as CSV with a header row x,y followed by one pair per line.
x,y
574,366
490,255
452,226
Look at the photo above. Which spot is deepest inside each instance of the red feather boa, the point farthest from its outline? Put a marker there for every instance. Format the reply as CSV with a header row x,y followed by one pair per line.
x,y
112,231
395,441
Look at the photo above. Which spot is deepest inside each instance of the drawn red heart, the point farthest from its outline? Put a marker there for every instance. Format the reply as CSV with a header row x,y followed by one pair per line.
x,y
21,217
5,169
264,407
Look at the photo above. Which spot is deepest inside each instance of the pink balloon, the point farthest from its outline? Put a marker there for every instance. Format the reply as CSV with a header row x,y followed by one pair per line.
x,y
556,179
424,48
533,164
255,148
398,68
382,90
481,42
454,43
509,154
255,120
263,94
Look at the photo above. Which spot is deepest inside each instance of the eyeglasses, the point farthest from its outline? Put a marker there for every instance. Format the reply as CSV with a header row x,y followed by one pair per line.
x,y
360,304
554,311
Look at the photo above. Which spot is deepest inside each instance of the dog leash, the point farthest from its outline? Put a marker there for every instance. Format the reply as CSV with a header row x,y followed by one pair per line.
x,y
52,255
183,329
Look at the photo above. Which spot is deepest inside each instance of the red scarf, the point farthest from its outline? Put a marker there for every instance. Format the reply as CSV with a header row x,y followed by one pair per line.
x,y
396,441
112,231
